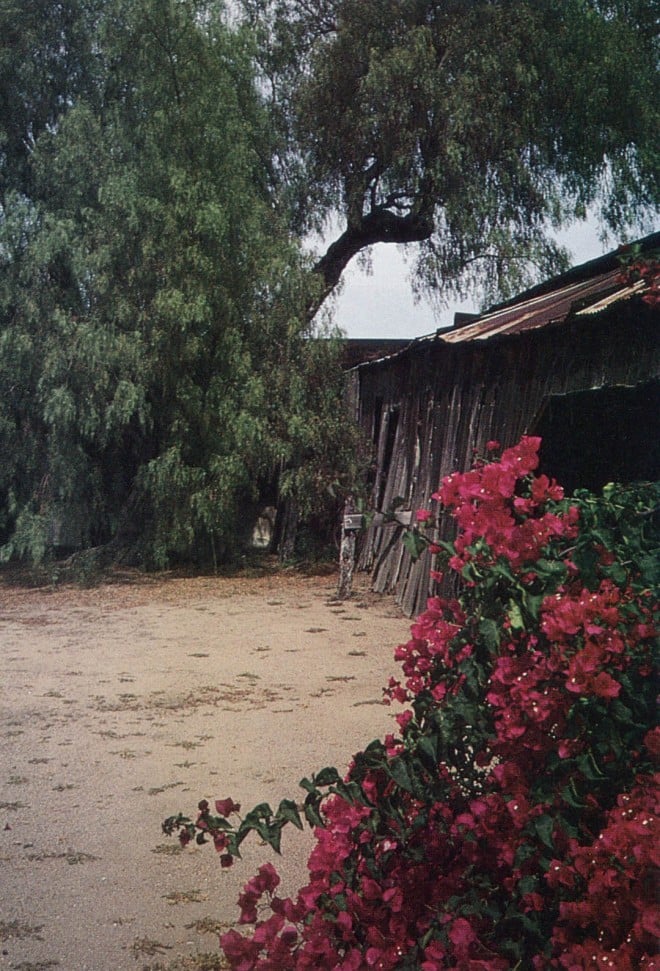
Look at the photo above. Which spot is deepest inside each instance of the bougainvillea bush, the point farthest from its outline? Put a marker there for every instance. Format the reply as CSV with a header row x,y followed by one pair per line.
x,y
511,821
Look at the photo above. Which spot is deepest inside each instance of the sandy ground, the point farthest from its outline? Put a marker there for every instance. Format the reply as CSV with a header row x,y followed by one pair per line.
x,y
123,704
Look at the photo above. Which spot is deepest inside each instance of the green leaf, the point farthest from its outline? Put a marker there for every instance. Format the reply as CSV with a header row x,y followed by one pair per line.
x,y
550,569
327,777
515,616
428,748
269,832
571,798
398,770
617,573
288,811
350,791
312,810
532,604
261,811
544,827
415,543
219,822
589,768
528,884
274,836
490,632
586,560
650,567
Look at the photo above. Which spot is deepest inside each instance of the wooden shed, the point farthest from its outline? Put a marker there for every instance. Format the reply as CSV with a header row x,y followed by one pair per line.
x,y
574,360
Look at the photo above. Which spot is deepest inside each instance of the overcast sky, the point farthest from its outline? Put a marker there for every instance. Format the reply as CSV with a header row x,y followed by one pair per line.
x,y
381,304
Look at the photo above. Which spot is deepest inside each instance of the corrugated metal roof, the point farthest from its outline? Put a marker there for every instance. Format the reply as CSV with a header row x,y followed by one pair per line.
x,y
623,293
585,297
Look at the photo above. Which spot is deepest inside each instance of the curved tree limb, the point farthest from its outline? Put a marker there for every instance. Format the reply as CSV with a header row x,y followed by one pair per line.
x,y
381,226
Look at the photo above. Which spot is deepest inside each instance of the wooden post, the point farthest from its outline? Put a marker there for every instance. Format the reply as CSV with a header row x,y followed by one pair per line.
x,y
347,550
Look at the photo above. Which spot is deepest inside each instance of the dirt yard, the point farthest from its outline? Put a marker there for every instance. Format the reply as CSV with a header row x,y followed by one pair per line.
x,y
128,702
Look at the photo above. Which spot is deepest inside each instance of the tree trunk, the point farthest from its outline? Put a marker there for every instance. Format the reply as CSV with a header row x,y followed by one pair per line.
x,y
289,530
380,226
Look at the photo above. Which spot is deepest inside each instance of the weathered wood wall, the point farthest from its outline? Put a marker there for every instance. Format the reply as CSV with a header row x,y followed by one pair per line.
x,y
431,408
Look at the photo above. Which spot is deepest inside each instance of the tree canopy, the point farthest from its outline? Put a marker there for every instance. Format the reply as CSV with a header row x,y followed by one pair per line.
x,y
472,127
153,354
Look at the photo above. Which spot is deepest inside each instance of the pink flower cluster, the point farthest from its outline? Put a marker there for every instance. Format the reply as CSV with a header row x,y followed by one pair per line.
x,y
646,269
592,621
488,510
607,915
430,650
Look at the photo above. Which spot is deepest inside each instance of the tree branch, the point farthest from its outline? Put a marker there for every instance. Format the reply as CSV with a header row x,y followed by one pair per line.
x,y
380,226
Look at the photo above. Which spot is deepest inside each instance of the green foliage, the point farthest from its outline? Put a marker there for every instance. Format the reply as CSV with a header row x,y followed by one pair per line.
x,y
472,128
46,62
155,358
624,522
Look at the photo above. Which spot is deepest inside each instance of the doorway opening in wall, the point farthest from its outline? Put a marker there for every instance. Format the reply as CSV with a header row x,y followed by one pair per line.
x,y
591,438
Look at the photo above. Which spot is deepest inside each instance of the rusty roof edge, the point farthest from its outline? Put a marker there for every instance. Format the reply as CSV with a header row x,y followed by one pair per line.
x,y
622,293
487,325
512,327
583,271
